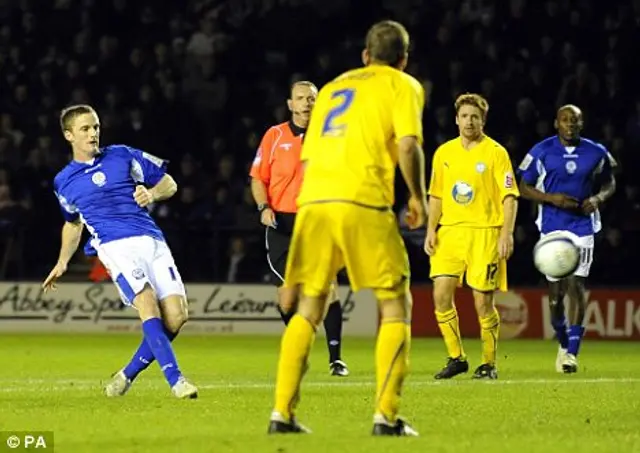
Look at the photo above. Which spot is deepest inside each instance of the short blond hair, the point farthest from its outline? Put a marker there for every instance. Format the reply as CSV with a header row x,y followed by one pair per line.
x,y
303,83
69,114
475,100
387,42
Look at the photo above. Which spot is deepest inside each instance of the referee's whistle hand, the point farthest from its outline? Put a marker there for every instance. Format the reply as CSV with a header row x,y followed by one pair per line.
x,y
268,218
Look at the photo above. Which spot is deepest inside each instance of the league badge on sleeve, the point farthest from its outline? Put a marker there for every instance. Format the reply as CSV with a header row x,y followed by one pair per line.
x,y
524,165
153,159
508,181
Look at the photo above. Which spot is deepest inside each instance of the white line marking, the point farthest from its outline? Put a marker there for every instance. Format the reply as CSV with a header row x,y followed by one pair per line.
x,y
59,385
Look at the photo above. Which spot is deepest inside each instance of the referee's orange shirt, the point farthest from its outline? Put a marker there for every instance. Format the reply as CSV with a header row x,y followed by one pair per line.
x,y
277,164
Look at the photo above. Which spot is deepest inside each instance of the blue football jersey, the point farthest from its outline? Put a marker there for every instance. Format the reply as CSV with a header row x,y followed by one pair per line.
x,y
100,193
553,168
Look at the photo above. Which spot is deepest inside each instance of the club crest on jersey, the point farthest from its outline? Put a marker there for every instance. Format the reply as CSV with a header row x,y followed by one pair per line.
x,y
481,167
99,179
571,166
462,193
138,274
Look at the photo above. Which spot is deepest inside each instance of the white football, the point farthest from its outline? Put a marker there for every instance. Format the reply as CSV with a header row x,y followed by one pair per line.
x,y
556,255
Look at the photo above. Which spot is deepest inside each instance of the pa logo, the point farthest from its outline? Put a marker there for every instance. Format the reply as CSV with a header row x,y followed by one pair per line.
x,y
138,274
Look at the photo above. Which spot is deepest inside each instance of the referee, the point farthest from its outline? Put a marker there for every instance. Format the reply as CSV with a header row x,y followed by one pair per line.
x,y
276,176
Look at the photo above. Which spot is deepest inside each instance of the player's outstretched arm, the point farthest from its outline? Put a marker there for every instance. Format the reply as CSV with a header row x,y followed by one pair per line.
x,y
411,163
71,234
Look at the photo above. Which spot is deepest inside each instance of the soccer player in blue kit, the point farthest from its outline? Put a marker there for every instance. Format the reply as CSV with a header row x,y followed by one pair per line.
x,y
108,190
560,173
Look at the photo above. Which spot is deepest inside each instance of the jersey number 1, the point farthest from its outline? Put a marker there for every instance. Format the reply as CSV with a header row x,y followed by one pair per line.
x,y
330,127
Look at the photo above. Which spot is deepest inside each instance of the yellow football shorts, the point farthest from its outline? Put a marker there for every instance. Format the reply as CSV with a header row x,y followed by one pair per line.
x,y
331,235
470,251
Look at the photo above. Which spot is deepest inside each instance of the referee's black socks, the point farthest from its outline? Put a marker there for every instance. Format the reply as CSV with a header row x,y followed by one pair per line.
x,y
333,330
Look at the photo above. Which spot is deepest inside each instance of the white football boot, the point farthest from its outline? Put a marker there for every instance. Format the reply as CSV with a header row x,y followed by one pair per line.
x,y
184,389
570,364
118,385
560,358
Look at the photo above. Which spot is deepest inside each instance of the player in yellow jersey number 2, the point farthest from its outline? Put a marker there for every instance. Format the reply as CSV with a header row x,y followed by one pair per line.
x,y
472,212
365,123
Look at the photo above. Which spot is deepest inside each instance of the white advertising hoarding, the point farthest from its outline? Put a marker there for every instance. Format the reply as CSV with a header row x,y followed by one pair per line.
x,y
96,307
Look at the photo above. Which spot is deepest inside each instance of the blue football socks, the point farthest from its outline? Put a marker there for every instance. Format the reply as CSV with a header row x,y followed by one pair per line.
x,y
560,326
575,338
143,357
160,347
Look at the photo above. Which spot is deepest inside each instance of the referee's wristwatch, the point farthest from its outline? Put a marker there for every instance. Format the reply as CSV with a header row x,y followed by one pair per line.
x,y
262,207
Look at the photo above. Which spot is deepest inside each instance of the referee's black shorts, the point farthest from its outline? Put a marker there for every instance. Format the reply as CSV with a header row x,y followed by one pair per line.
x,y
277,242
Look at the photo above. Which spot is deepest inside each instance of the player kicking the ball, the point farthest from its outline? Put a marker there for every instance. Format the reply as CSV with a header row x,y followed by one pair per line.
x,y
472,213
105,190
559,173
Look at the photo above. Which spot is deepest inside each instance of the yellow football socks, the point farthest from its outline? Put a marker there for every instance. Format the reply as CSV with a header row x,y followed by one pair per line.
x,y
392,357
450,330
294,351
490,326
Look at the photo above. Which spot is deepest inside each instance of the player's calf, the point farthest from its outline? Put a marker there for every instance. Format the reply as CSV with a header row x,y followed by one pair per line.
x,y
155,336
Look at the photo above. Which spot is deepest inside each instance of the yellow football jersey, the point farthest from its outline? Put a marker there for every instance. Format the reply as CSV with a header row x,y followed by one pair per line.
x,y
472,183
350,147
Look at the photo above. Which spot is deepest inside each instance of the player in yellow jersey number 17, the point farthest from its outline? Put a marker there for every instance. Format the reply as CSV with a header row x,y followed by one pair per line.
x,y
472,212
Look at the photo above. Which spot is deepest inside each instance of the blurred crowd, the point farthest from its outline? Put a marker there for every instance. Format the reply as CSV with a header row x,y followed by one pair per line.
x,y
199,81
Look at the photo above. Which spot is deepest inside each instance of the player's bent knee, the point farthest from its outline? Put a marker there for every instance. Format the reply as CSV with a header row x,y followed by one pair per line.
x,y
175,312
484,302
146,303
288,298
312,308
393,310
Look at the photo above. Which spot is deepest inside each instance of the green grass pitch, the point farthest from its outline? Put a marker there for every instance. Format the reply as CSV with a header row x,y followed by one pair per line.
x,y
54,382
